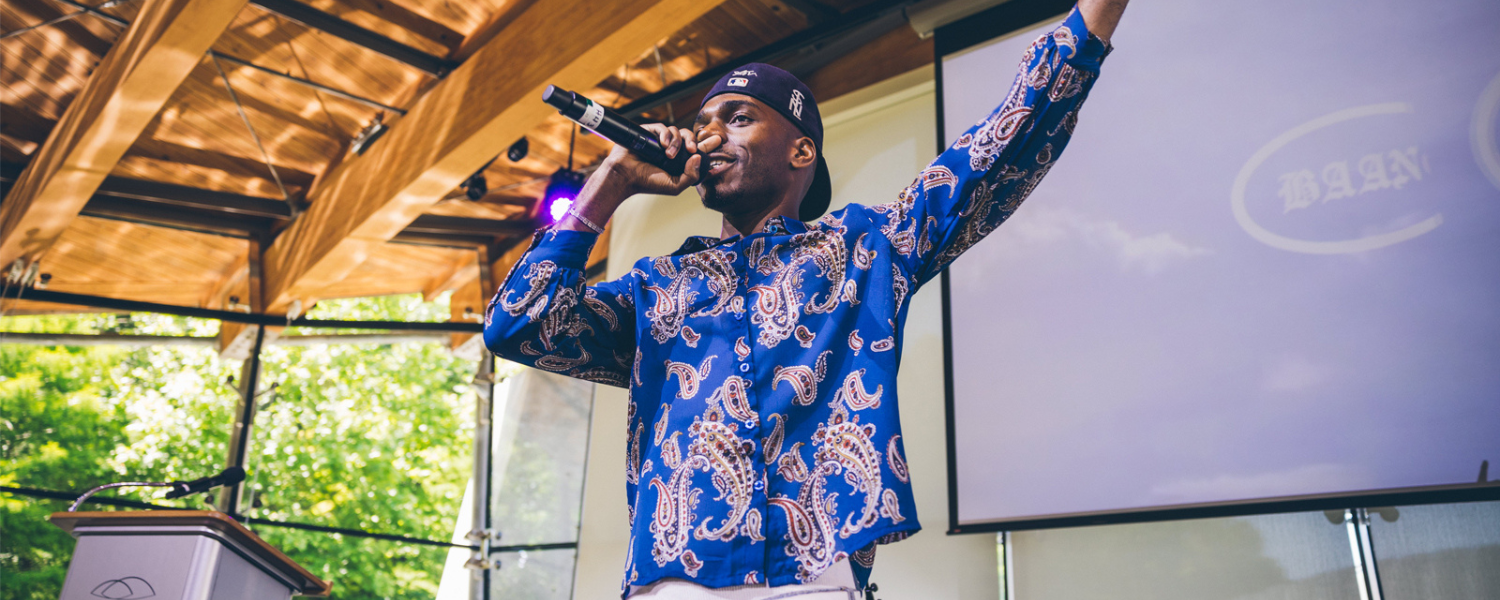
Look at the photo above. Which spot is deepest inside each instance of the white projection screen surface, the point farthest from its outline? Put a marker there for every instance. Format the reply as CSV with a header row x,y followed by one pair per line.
x,y
1266,269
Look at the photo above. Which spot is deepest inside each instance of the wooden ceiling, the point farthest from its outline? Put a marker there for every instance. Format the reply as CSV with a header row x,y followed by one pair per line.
x,y
152,181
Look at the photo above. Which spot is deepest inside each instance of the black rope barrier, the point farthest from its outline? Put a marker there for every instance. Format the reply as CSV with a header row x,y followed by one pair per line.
x,y
360,533
234,317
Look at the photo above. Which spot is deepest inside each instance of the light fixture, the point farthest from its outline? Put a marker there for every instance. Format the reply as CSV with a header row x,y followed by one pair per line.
x,y
564,186
476,186
518,150
561,191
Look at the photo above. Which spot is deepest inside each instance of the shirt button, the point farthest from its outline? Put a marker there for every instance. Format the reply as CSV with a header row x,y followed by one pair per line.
x,y
744,367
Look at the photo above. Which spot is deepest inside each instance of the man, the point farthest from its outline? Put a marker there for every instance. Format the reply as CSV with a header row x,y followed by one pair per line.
x,y
764,455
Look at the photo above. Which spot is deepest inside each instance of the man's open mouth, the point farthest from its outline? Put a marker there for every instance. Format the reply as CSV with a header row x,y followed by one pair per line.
x,y
718,163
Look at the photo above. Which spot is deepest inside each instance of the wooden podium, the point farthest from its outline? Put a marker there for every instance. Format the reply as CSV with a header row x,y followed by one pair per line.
x,y
176,554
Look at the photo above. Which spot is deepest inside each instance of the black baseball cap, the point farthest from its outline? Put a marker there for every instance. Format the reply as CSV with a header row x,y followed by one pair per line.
x,y
787,95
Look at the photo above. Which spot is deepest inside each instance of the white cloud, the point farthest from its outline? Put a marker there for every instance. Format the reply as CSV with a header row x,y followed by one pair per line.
x,y
1149,254
1308,479
1292,373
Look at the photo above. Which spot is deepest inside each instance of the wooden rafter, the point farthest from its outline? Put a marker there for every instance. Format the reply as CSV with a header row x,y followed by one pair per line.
x,y
131,84
456,128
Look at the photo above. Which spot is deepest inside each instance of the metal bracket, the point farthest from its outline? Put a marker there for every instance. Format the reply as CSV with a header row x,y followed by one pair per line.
x,y
480,560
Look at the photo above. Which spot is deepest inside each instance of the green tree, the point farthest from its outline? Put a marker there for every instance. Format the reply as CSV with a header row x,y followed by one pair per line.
x,y
373,437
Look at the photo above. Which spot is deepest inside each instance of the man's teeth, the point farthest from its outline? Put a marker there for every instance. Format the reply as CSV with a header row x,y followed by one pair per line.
x,y
716,163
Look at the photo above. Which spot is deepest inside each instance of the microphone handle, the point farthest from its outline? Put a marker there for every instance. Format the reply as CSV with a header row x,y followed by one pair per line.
x,y
612,126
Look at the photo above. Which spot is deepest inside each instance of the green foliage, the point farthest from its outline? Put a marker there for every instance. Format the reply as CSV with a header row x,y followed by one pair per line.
x,y
373,437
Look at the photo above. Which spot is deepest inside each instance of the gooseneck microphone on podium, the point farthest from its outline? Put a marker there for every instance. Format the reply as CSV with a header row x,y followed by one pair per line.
x,y
229,476
615,128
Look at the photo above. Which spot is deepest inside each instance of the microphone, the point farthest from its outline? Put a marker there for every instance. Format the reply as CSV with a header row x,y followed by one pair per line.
x,y
613,127
230,476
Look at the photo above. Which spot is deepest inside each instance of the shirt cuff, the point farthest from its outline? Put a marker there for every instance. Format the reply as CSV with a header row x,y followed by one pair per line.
x,y
569,249
1089,51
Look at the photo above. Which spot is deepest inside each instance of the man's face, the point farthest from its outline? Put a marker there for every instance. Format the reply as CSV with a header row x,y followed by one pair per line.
x,y
751,167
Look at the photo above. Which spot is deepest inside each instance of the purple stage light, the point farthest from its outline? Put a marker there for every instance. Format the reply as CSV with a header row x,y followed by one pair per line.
x,y
561,191
560,206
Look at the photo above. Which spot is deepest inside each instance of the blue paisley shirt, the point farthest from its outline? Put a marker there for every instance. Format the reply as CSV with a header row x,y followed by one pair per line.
x,y
764,441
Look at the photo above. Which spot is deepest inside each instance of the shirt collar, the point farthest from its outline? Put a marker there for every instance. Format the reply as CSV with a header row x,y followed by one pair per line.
x,y
778,225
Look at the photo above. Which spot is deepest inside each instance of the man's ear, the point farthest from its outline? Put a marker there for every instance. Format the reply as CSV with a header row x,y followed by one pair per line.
x,y
804,153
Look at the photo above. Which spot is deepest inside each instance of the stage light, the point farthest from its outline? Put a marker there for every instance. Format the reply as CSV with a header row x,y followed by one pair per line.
x,y
561,191
476,186
560,207
518,150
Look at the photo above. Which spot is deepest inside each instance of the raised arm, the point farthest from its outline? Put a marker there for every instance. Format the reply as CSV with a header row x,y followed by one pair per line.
x,y
1102,16
981,179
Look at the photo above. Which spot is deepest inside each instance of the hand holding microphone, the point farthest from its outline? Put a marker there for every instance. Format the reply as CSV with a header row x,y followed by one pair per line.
x,y
653,159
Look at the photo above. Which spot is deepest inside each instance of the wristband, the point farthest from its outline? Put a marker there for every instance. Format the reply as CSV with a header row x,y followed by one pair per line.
x,y
573,210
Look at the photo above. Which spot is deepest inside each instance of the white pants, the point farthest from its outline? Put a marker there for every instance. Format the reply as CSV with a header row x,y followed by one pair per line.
x,y
837,583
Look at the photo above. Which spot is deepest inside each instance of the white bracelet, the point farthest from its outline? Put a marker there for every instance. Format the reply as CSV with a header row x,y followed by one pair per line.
x,y
573,210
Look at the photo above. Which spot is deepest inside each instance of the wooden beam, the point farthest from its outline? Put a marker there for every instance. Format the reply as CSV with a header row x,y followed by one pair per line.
x,y
236,340
887,56
216,296
130,86
492,26
457,127
450,277
24,125
405,18
78,32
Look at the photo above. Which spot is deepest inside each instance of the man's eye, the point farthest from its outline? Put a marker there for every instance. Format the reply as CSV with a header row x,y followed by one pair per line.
x,y
739,119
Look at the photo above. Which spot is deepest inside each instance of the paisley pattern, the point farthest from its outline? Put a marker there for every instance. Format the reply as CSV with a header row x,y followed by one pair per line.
x,y
763,443
853,395
688,378
896,462
803,379
734,397
772,443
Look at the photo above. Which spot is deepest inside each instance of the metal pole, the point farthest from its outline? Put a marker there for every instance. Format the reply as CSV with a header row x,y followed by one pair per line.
x,y
1008,587
239,442
1366,575
481,532
314,85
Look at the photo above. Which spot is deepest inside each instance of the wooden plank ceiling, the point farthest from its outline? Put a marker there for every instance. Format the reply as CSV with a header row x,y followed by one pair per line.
x,y
143,233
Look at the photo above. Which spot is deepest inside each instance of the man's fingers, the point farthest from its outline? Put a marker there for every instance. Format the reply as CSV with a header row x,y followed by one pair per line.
x,y
675,144
687,140
709,143
690,171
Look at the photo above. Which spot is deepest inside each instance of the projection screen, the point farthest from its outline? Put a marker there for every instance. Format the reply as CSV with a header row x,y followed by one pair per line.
x,y
1265,273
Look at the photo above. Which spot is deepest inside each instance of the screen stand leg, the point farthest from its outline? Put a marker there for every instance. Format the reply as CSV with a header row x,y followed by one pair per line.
x,y
1357,521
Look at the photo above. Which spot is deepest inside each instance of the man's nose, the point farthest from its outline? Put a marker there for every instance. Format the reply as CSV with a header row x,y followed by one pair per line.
x,y
710,129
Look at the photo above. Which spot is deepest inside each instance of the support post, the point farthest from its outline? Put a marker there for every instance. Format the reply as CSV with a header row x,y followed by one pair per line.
x,y
483,533
239,441
1366,574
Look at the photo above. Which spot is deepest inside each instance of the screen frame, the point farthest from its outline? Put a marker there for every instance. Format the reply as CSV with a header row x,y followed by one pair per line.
x,y
1007,19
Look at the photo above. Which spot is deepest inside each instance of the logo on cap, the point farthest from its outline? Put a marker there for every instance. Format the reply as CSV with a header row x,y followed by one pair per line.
x,y
743,72
796,105
738,82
